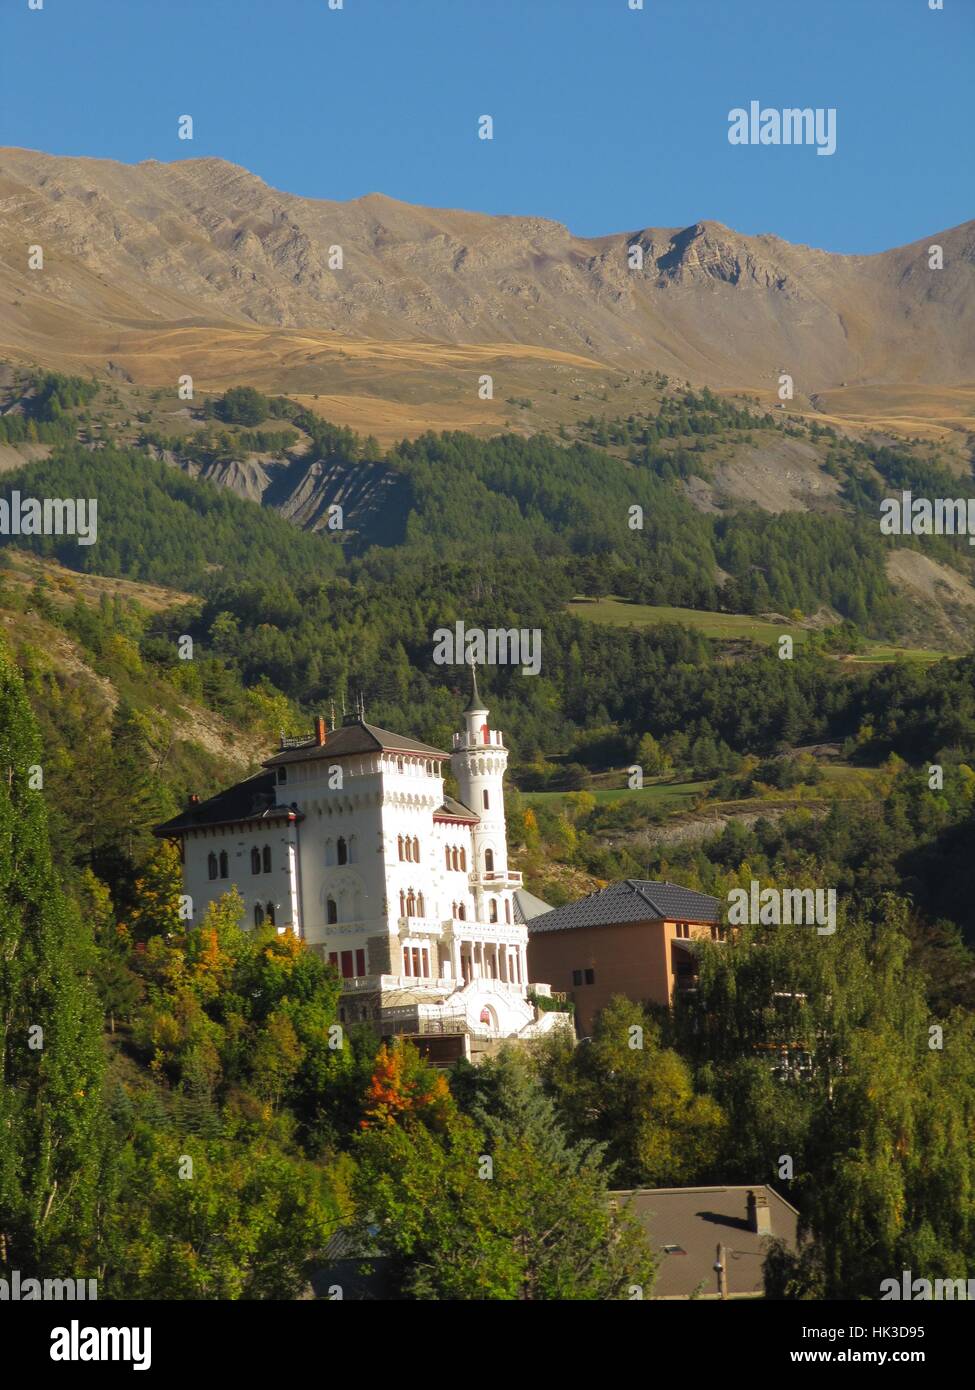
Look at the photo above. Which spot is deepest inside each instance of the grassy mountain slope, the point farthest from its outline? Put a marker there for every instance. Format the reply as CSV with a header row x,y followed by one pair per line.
x,y
153,270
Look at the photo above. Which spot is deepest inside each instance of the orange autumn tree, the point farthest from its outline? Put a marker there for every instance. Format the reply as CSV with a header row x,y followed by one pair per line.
x,y
404,1087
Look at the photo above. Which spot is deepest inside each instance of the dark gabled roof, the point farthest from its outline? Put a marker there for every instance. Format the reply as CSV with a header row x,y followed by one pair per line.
x,y
350,739
253,799
456,810
633,900
685,1224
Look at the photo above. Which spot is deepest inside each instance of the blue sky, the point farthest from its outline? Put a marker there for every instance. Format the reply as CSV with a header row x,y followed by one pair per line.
x,y
605,119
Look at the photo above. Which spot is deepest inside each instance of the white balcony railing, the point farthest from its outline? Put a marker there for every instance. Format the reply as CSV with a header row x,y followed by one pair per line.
x,y
362,984
365,984
425,926
495,739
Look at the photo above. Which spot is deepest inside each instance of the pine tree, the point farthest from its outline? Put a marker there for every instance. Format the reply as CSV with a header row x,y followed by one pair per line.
x,y
511,1207
50,1023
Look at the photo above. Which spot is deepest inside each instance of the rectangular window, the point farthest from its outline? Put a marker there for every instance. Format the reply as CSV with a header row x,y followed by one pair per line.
x,y
590,977
360,962
406,960
577,977
426,962
333,959
416,961
347,966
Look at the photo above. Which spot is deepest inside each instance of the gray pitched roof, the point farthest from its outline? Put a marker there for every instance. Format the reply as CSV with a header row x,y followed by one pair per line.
x,y
632,900
692,1221
456,810
528,906
357,737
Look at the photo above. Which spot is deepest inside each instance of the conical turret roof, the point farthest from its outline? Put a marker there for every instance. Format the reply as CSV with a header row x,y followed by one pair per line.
x,y
475,703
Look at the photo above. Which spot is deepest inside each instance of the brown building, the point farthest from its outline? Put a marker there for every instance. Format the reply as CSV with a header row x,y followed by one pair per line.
x,y
634,938
693,1229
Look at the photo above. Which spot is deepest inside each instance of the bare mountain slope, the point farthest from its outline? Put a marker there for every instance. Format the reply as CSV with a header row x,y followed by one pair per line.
x,y
133,252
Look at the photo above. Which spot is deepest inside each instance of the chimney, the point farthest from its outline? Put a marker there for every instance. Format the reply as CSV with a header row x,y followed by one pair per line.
x,y
759,1214
319,730
193,799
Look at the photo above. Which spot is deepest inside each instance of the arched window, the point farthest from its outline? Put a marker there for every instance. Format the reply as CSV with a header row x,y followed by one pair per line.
x,y
224,864
446,852
255,860
409,849
282,774
485,801
410,904
343,850
489,860
463,861
507,910
419,905
270,913
402,903
258,915
212,865
462,912
493,910
331,911
266,858
399,845
416,850
399,764
453,909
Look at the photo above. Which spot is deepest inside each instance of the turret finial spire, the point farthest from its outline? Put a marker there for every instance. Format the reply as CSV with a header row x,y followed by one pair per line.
x,y
475,702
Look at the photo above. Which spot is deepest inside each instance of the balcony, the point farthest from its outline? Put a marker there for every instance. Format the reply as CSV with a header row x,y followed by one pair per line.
x,y
494,740
495,878
373,984
421,926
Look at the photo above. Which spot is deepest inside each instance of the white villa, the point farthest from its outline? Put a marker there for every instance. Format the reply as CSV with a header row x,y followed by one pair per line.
x,y
348,839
